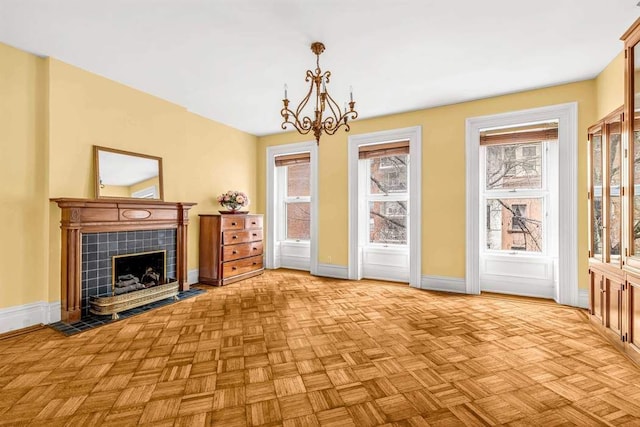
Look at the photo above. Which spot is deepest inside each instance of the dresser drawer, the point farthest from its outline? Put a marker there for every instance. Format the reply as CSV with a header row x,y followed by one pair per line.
x,y
246,265
253,222
232,223
232,237
242,250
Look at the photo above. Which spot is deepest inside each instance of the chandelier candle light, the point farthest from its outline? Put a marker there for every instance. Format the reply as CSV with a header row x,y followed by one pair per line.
x,y
324,104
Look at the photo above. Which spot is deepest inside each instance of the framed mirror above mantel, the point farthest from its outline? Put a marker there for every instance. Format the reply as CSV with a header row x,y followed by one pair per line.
x,y
126,175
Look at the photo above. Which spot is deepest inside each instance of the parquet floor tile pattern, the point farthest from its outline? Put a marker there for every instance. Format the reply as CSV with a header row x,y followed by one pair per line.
x,y
290,349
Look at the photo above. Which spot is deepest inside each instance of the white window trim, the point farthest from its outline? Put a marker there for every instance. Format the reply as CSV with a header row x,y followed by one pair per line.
x,y
567,291
414,135
279,150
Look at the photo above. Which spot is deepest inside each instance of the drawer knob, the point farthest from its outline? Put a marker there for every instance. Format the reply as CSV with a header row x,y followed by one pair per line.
x,y
253,223
255,263
233,223
254,234
234,252
254,248
234,268
234,237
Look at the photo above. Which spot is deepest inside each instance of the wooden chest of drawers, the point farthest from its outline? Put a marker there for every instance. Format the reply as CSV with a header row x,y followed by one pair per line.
x,y
230,248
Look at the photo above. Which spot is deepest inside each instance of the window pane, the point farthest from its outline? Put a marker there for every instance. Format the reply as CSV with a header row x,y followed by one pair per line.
x,y
388,222
515,224
298,221
298,182
514,166
388,174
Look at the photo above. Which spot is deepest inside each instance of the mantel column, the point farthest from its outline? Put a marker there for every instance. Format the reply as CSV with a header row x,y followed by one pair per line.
x,y
71,275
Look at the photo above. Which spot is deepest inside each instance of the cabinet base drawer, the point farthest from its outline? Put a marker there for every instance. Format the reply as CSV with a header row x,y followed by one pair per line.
x,y
241,266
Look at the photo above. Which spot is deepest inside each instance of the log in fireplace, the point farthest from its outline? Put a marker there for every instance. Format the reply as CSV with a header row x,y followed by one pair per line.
x,y
94,231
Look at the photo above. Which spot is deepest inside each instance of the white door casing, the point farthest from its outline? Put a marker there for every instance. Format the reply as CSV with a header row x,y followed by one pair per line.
x,y
271,260
414,136
567,115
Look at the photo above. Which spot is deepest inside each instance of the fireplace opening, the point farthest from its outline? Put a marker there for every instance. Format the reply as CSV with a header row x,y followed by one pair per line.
x,y
137,279
134,272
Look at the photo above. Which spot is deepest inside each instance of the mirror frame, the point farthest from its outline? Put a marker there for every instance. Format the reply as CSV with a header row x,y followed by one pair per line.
x,y
96,167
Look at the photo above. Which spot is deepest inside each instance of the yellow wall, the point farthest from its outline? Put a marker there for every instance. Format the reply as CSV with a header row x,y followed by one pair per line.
x,y
23,193
610,87
51,115
443,174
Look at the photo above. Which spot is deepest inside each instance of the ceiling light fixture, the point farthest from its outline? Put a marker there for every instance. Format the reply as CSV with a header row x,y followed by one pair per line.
x,y
324,104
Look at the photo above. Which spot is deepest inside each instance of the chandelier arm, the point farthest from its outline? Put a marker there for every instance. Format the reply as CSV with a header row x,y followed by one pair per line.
x,y
303,127
335,112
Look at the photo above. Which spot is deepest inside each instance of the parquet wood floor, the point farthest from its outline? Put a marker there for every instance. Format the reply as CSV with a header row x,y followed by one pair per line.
x,y
290,349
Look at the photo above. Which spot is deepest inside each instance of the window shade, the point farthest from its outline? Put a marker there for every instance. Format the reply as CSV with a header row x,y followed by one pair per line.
x,y
387,149
293,159
520,134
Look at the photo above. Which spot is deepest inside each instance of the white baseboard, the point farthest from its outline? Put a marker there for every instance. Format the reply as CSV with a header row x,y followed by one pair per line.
x,y
295,263
23,316
443,283
192,276
583,298
386,272
332,270
526,287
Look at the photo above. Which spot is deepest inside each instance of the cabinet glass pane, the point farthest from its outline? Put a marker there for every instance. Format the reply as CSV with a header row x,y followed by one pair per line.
x,y
635,190
615,200
596,207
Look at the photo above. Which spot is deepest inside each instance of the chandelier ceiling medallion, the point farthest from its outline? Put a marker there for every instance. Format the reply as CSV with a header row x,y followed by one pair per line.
x,y
327,116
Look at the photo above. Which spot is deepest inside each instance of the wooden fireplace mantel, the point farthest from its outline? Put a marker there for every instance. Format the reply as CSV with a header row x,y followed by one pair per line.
x,y
108,215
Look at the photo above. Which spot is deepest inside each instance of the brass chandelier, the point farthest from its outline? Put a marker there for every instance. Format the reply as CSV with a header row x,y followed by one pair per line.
x,y
327,115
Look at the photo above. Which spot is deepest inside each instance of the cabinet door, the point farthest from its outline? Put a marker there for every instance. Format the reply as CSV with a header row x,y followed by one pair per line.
x,y
613,224
597,296
632,335
613,305
596,195
632,129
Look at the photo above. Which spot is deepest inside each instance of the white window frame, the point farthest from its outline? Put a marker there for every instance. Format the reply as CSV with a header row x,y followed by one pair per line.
x,y
567,114
284,199
414,136
549,155
368,196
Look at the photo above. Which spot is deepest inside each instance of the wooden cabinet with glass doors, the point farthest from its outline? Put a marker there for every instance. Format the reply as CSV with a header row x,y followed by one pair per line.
x,y
631,134
614,211
605,209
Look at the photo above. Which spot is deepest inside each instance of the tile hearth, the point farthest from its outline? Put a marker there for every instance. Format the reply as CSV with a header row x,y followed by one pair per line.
x,y
93,321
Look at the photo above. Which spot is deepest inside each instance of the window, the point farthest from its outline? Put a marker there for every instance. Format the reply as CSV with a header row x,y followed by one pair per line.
x,y
387,196
295,173
515,188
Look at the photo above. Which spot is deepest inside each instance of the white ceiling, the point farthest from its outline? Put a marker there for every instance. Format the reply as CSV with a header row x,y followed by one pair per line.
x,y
229,59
